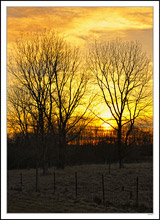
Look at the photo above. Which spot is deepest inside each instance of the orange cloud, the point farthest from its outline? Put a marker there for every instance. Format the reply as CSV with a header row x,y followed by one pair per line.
x,y
76,22
81,25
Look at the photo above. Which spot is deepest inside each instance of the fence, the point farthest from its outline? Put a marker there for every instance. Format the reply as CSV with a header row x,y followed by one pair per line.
x,y
101,188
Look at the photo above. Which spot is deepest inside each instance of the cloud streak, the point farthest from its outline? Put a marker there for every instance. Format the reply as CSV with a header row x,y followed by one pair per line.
x,y
81,24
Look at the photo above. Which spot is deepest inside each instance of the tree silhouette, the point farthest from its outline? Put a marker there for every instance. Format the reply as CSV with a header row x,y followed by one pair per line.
x,y
70,88
51,72
123,75
18,115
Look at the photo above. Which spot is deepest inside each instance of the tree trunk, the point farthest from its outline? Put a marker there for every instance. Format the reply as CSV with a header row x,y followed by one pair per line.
x,y
45,166
62,150
42,143
119,143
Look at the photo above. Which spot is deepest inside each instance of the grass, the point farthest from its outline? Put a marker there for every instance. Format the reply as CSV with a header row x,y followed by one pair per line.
x,y
117,185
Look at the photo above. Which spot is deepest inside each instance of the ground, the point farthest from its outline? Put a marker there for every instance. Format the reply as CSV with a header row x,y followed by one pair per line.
x,y
119,194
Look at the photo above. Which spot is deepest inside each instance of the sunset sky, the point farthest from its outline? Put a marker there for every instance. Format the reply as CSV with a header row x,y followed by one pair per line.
x,y
81,25
80,22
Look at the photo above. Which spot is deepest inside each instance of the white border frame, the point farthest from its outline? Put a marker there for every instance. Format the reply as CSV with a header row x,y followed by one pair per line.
x,y
4,5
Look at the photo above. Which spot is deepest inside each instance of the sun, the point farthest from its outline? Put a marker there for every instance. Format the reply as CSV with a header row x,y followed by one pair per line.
x,y
106,126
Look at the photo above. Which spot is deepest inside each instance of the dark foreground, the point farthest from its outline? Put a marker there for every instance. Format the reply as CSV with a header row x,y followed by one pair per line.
x,y
95,190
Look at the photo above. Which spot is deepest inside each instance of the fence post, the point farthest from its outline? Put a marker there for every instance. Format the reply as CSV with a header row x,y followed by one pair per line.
x,y
21,182
7,179
109,168
76,183
37,178
103,187
137,192
54,182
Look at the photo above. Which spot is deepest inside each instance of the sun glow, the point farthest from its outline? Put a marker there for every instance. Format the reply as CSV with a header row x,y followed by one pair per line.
x,y
106,126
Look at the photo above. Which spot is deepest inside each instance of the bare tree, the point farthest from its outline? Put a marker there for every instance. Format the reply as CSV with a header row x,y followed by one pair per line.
x,y
69,97
50,70
123,75
18,114
28,65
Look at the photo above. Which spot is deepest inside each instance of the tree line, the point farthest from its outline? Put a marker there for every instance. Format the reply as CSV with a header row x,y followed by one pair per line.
x,y
56,89
93,146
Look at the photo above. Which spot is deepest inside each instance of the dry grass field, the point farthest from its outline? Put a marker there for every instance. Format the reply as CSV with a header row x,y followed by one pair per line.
x,y
120,190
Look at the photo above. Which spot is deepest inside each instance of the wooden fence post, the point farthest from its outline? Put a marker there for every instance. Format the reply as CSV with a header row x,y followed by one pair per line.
x,y
54,182
21,181
7,179
76,183
37,188
109,168
103,187
137,192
